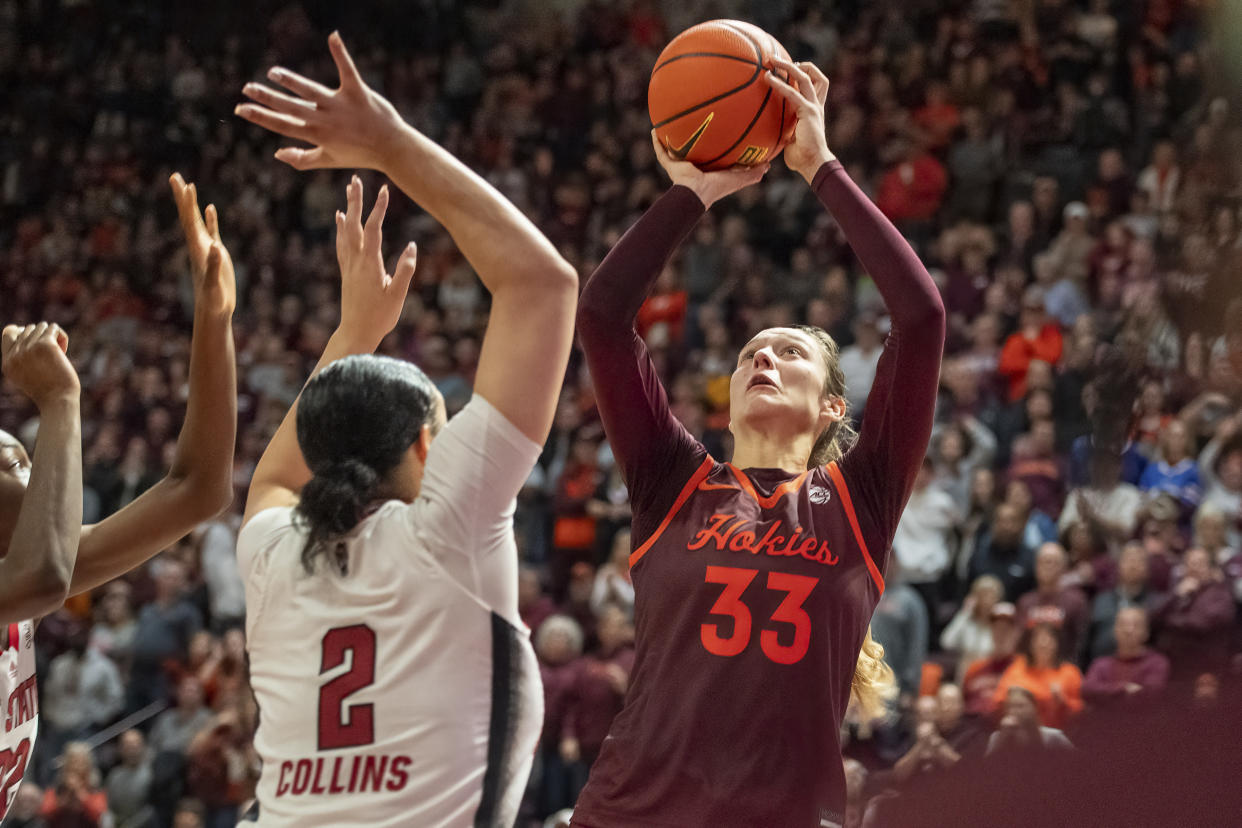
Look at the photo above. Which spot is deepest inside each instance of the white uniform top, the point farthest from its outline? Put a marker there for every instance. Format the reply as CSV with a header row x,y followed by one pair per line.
x,y
20,697
405,692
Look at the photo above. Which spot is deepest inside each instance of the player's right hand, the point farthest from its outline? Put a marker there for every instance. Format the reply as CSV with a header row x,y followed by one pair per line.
x,y
35,359
711,186
371,299
352,126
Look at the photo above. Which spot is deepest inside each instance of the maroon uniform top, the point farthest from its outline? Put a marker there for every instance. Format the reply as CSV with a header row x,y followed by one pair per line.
x,y
753,587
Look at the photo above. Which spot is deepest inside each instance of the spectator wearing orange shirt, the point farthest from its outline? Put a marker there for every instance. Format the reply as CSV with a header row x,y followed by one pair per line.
x,y
1055,684
1037,337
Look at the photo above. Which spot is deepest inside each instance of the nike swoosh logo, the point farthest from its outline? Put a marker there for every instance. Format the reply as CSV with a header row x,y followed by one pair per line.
x,y
681,152
711,487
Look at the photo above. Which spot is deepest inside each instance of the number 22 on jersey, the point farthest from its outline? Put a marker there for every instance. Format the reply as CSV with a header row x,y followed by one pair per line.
x,y
796,588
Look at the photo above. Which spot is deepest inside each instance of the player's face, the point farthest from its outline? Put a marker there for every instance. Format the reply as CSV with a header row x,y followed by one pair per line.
x,y
780,376
14,476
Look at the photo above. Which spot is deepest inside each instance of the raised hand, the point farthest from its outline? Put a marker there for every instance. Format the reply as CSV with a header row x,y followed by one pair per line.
x,y
807,92
215,284
351,126
34,358
710,187
371,299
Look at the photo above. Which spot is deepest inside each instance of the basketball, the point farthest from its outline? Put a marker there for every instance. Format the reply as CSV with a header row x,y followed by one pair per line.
x,y
709,102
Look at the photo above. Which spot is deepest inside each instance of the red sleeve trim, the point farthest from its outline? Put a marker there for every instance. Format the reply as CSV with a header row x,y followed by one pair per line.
x,y
844,491
699,474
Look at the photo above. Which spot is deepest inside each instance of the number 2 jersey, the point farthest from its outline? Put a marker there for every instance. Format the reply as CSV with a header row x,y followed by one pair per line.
x,y
753,587
20,697
404,691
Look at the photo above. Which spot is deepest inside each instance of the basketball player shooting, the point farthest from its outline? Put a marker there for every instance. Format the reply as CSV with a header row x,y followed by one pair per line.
x,y
45,552
397,683
755,580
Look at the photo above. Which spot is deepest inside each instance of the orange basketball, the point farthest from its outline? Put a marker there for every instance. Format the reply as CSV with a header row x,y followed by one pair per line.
x,y
709,102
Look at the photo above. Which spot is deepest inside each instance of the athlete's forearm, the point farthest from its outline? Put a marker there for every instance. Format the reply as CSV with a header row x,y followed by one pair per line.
x,y
502,245
204,454
35,574
199,484
632,402
619,286
909,292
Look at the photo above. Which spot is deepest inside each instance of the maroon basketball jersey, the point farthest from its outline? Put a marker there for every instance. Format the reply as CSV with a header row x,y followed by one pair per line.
x,y
753,589
761,583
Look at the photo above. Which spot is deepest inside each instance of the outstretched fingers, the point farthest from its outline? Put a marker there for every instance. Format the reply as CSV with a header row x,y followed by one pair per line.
x,y
345,67
374,231
303,159
353,213
311,90
405,269
290,126
278,101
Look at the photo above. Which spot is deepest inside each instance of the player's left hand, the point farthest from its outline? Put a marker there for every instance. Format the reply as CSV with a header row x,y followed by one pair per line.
x,y
215,284
807,92
371,299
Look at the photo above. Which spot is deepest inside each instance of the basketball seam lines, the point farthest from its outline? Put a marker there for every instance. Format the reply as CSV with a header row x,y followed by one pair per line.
x,y
746,131
720,55
758,68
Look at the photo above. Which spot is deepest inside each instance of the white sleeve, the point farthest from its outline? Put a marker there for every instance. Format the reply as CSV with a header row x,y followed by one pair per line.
x,y
475,468
255,543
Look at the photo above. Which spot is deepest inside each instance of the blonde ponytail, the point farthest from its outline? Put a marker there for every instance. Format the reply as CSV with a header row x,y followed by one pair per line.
x,y
874,684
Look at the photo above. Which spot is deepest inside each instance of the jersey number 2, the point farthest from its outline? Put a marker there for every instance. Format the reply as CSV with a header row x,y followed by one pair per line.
x,y
797,589
342,726
12,769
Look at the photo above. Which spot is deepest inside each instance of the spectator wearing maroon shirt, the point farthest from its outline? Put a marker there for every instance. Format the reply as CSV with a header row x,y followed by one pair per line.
x,y
1196,620
1037,337
597,693
534,605
982,676
559,647
1052,603
1134,672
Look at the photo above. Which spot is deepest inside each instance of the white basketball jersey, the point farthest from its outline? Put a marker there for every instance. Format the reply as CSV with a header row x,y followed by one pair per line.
x,y
404,692
21,707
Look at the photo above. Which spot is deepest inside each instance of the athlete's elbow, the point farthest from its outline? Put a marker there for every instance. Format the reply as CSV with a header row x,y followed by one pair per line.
x,y
200,498
48,588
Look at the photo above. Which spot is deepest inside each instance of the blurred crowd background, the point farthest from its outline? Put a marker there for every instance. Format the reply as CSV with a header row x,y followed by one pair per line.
x,y
1068,170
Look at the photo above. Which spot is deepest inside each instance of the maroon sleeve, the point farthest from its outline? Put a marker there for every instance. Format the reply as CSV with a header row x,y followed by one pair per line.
x,y
884,461
655,452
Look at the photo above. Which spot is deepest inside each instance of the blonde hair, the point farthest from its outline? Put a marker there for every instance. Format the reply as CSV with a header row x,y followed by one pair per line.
x,y
833,442
874,684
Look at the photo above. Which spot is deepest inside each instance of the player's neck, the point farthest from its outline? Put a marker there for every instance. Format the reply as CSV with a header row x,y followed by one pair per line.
x,y
756,450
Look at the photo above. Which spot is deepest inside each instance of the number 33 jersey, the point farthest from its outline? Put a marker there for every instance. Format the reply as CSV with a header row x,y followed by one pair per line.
x,y
403,690
753,594
21,707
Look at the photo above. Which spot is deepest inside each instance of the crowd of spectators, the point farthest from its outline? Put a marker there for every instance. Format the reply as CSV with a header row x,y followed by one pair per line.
x,y
1067,170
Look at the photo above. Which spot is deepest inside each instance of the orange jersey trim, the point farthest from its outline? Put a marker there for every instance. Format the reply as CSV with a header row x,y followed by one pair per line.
x,y
788,487
839,480
699,474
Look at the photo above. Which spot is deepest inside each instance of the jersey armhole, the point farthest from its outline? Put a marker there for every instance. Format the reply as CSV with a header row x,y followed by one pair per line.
x,y
696,478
